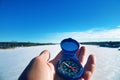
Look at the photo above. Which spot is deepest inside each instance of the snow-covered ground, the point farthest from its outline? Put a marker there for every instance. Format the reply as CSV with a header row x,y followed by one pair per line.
x,y
13,61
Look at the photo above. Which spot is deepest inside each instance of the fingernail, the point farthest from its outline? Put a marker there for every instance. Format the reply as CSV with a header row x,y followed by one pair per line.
x,y
45,53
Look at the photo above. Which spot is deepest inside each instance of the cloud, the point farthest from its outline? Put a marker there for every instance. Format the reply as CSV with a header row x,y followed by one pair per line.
x,y
118,26
90,35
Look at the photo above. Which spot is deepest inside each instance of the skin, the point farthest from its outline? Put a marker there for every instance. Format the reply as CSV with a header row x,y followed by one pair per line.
x,y
43,69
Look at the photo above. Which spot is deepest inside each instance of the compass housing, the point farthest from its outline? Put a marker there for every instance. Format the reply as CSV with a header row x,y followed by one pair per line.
x,y
69,67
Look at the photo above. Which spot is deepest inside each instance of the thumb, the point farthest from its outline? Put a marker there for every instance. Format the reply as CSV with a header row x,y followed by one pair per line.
x,y
45,55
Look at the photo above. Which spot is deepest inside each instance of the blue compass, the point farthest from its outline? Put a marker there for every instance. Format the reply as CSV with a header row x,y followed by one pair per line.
x,y
69,66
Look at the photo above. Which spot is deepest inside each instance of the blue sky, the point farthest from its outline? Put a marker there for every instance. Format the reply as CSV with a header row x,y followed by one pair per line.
x,y
54,20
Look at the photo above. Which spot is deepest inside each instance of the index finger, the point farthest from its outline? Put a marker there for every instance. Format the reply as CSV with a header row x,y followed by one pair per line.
x,y
81,54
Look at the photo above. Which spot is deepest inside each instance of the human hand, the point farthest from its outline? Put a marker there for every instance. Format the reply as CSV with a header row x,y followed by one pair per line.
x,y
42,69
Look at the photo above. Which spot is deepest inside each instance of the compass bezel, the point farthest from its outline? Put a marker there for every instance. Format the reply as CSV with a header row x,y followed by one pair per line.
x,y
78,75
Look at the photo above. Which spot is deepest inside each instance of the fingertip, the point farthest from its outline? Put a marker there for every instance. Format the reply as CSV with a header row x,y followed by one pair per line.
x,y
44,52
92,59
82,48
45,55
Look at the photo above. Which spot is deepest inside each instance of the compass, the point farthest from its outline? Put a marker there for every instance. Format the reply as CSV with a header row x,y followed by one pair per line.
x,y
69,66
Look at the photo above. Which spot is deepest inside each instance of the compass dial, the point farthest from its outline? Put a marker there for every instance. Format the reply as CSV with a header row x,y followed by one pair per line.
x,y
69,67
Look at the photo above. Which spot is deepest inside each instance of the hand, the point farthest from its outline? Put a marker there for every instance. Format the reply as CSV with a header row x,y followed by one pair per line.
x,y
42,69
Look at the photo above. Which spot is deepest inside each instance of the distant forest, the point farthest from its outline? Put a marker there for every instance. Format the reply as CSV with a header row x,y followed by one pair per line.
x,y
6,45
109,44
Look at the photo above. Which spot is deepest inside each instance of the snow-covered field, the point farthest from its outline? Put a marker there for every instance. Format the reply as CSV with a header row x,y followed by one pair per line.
x,y
13,61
